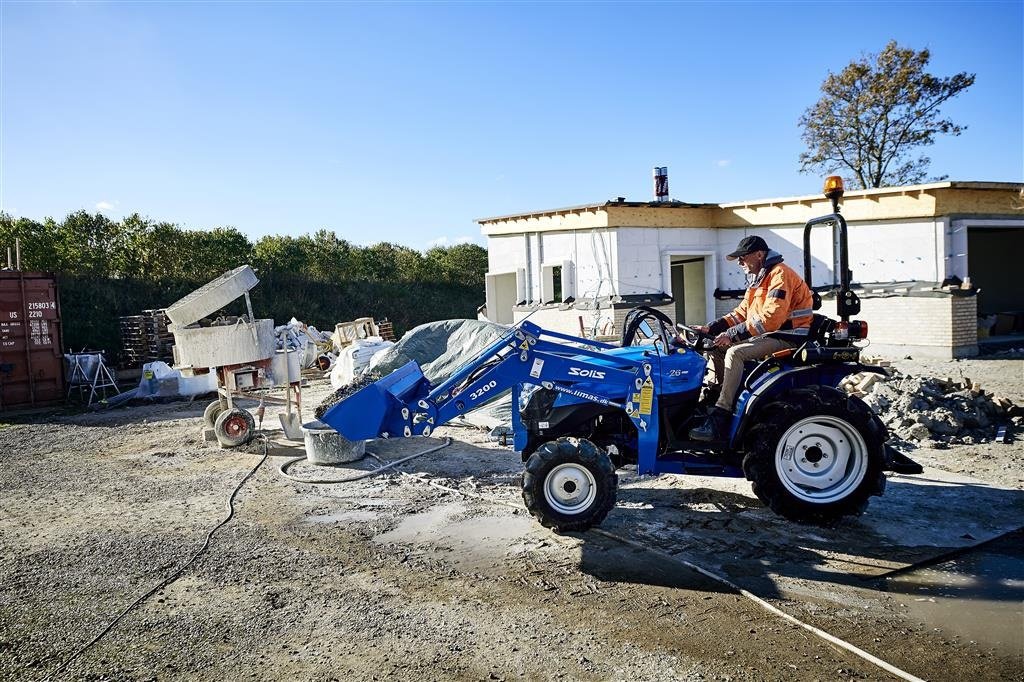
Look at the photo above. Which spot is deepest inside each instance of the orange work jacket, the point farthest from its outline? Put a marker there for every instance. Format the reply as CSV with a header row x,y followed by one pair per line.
x,y
777,299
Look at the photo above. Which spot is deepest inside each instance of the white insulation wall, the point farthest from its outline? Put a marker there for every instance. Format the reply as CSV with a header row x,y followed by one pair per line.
x,y
591,252
880,252
644,254
635,260
888,252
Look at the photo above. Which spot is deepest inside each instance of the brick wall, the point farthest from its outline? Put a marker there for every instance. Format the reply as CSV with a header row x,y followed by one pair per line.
x,y
620,314
941,327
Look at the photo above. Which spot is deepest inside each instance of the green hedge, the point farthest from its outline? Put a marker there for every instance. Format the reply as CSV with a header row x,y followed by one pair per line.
x,y
91,305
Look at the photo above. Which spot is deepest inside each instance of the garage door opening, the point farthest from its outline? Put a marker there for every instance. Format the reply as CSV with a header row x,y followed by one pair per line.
x,y
993,254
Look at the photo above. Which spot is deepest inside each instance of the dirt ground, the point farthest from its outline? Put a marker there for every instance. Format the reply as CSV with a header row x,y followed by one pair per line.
x,y
391,577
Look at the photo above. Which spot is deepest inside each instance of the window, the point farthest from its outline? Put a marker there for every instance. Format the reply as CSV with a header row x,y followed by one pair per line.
x,y
556,282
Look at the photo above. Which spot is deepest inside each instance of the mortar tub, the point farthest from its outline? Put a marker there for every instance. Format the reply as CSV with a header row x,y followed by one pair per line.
x,y
324,445
234,344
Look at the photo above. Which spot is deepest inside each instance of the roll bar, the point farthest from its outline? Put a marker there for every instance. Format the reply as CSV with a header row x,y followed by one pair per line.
x,y
847,303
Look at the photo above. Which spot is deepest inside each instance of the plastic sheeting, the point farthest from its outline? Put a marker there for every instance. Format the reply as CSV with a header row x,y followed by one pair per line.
x,y
355,358
442,348
159,380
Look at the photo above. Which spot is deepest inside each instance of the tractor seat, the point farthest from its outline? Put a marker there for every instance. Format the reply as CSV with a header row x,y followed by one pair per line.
x,y
820,325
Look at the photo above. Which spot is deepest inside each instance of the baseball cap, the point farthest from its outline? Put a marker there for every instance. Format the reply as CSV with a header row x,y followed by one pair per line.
x,y
748,245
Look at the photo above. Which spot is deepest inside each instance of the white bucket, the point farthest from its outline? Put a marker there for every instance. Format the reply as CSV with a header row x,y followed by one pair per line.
x,y
324,445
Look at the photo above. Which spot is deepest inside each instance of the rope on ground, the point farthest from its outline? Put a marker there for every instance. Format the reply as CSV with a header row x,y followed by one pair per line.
x,y
709,574
230,506
766,606
283,469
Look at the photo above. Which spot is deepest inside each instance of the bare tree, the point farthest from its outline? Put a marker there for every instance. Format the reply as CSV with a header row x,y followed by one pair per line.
x,y
872,117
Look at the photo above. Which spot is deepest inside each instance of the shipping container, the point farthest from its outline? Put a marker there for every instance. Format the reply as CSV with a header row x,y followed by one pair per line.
x,y
31,360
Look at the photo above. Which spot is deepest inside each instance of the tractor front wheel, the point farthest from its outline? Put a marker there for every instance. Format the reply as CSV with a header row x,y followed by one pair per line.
x,y
816,455
569,484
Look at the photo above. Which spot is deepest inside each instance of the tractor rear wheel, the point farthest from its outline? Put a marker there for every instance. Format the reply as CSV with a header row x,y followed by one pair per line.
x,y
816,455
569,484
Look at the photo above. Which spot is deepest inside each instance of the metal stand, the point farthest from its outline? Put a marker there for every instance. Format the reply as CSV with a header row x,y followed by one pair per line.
x,y
98,383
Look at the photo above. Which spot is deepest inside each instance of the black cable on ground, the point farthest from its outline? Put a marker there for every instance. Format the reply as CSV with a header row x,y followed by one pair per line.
x,y
283,469
173,576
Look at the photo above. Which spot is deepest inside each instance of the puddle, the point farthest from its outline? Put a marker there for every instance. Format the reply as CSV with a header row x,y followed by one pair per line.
x,y
343,517
978,595
473,544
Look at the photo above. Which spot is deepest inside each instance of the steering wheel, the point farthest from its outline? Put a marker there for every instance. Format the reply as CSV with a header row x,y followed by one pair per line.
x,y
649,322
695,338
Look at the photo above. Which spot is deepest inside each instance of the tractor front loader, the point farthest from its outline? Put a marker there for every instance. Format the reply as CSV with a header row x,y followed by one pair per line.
x,y
582,409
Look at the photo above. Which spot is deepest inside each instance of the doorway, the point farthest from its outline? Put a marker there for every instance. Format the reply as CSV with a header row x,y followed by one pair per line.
x,y
501,289
688,289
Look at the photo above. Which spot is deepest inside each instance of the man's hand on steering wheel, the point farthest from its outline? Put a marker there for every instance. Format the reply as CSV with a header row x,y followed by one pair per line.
x,y
695,337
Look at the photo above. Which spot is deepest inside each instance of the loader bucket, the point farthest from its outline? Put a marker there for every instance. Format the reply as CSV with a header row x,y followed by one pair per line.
x,y
375,410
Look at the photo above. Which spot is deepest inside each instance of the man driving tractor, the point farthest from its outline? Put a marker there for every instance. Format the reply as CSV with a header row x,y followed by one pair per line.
x,y
777,299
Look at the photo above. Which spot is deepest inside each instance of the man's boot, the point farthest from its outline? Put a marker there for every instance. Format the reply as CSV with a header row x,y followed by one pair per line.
x,y
713,427
708,398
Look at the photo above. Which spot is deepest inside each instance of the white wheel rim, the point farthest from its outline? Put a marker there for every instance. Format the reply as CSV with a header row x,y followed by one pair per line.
x,y
821,459
570,488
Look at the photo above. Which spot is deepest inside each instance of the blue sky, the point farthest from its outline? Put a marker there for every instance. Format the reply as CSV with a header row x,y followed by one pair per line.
x,y
403,122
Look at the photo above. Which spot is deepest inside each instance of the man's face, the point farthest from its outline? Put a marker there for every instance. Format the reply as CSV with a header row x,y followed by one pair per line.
x,y
752,262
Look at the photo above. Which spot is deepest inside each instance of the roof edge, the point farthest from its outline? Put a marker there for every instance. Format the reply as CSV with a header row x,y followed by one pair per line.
x,y
594,207
902,189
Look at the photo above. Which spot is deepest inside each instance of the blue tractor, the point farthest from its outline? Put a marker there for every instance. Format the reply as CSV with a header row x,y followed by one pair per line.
x,y
582,409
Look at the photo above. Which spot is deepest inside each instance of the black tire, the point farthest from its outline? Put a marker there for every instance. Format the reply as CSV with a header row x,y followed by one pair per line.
x,y
234,427
821,423
569,485
212,411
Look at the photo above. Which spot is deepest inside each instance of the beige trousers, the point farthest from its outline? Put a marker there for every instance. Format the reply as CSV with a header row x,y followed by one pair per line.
x,y
726,367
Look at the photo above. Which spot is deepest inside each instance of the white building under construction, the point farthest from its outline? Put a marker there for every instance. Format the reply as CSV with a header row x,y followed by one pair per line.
x,y
929,259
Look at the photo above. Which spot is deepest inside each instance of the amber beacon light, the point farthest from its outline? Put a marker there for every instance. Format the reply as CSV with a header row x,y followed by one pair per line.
x,y
833,187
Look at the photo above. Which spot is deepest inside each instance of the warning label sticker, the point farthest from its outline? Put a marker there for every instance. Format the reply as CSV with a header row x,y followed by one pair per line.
x,y
646,396
538,366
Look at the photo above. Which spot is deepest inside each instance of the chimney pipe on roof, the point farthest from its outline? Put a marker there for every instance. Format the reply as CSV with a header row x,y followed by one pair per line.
x,y
661,183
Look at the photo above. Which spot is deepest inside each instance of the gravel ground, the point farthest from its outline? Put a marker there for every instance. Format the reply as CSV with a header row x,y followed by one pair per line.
x,y
392,578
996,463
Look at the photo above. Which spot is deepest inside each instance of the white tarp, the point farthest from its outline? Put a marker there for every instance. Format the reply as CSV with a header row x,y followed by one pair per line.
x,y
355,358
160,380
441,349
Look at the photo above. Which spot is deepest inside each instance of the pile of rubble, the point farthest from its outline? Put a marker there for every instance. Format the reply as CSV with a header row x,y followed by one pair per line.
x,y
929,408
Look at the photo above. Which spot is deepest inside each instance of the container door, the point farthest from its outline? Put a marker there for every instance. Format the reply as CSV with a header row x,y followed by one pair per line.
x,y
31,364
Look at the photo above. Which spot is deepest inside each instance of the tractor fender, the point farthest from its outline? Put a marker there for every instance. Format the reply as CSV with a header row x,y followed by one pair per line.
x,y
773,383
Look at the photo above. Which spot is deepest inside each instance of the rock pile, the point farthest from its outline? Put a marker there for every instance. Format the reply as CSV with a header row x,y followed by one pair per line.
x,y
929,408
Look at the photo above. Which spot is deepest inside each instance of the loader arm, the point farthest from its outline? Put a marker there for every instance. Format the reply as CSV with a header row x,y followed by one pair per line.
x,y
405,404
